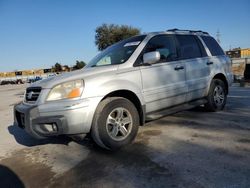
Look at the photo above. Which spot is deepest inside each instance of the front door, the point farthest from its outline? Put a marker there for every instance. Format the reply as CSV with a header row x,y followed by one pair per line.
x,y
164,83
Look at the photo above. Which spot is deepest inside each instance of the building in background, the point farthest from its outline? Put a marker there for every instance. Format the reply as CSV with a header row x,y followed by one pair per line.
x,y
239,53
240,63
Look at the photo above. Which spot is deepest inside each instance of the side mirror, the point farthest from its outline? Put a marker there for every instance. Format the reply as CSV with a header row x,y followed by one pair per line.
x,y
151,57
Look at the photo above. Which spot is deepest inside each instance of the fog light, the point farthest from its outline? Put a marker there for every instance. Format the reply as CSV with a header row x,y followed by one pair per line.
x,y
54,127
50,127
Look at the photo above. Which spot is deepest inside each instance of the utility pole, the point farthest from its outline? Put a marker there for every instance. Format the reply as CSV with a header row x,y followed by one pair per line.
x,y
218,35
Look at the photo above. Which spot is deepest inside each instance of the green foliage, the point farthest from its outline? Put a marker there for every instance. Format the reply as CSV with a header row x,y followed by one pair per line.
x,y
57,67
108,34
79,65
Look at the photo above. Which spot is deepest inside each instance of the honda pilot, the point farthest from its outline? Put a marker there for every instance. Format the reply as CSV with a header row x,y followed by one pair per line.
x,y
138,79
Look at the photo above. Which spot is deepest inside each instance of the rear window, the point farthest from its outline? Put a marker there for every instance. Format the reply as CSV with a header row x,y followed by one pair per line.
x,y
188,47
213,46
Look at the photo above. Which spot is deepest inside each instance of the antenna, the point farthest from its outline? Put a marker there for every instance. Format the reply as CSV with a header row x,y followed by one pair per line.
x,y
218,35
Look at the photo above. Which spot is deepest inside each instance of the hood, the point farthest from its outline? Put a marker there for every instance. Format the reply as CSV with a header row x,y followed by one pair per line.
x,y
74,75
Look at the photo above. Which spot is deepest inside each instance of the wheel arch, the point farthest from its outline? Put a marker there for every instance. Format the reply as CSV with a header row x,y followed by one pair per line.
x,y
132,97
223,78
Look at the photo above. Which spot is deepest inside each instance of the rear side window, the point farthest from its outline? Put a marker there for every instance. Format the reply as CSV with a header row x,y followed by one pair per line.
x,y
188,47
213,46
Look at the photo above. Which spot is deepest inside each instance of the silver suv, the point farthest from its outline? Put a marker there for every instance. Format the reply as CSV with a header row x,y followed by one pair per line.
x,y
140,78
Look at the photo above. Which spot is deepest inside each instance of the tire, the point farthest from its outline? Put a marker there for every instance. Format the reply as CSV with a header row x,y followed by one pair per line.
x,y
115,123
217,96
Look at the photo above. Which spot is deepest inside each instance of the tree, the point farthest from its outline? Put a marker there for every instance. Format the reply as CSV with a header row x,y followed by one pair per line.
x,y
108,34
57,67
79,65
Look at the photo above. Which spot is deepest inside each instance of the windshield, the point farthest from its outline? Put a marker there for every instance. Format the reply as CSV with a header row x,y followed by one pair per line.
x,y
117,53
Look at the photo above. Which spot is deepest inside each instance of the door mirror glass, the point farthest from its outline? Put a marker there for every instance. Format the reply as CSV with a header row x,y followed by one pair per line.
x,y
151,57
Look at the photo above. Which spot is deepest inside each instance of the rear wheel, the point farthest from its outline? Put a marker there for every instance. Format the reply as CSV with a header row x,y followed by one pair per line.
x,y
115,123
217,96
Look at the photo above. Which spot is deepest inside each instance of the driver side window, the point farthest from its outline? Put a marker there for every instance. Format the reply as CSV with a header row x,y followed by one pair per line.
x,y
165,45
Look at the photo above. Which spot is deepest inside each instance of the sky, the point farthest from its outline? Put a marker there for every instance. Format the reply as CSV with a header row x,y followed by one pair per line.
x,y
38,33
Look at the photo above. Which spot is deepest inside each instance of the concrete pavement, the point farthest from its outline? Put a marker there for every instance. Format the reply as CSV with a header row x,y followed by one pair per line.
x,y
189,149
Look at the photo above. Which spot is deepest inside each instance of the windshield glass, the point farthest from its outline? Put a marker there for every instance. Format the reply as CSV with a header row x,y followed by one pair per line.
x,y
117,53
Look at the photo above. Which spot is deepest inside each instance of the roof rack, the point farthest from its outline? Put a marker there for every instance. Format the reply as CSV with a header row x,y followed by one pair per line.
x,y
190,31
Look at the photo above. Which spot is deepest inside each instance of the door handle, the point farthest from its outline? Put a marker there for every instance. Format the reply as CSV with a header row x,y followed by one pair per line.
x,y
178,67
210,63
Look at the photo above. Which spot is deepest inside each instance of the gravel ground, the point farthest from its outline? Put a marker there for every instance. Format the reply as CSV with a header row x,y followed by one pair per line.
x,y
188,149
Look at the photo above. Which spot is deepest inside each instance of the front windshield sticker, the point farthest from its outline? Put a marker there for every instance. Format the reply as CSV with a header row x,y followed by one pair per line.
x,y
132,43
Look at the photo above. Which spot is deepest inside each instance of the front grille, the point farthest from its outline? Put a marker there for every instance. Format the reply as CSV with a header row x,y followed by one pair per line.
x,y
32,94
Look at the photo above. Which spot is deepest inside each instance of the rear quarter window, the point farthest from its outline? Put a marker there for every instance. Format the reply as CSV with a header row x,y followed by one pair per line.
x,y
213,46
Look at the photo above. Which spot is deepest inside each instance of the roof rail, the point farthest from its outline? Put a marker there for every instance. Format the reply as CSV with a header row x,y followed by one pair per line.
x,y
190,31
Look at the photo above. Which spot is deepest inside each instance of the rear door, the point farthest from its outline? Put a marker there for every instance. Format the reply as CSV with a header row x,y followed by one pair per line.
x,y
219,62
193,55
164,83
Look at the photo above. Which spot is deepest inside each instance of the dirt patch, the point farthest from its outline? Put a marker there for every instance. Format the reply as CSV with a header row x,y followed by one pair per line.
x,y
227,153
20,169
152,132
203,136
144,136
244,140
129,167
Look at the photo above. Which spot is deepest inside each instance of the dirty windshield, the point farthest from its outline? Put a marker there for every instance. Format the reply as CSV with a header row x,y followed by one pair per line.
x,y
117,53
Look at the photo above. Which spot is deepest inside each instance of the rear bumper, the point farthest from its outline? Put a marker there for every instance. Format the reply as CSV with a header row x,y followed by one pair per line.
x,y
55,119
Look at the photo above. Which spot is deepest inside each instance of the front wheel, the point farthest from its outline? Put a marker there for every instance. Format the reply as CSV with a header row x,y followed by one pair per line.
x,y
217,96
115,123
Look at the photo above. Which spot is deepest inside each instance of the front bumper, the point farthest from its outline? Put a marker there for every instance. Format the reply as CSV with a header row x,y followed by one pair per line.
x,y
57,118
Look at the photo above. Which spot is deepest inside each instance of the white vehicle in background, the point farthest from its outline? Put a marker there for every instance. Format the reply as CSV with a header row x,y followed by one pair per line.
x,y
139,78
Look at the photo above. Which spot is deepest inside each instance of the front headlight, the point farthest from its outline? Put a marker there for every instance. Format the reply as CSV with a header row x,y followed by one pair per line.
x,y
67,90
